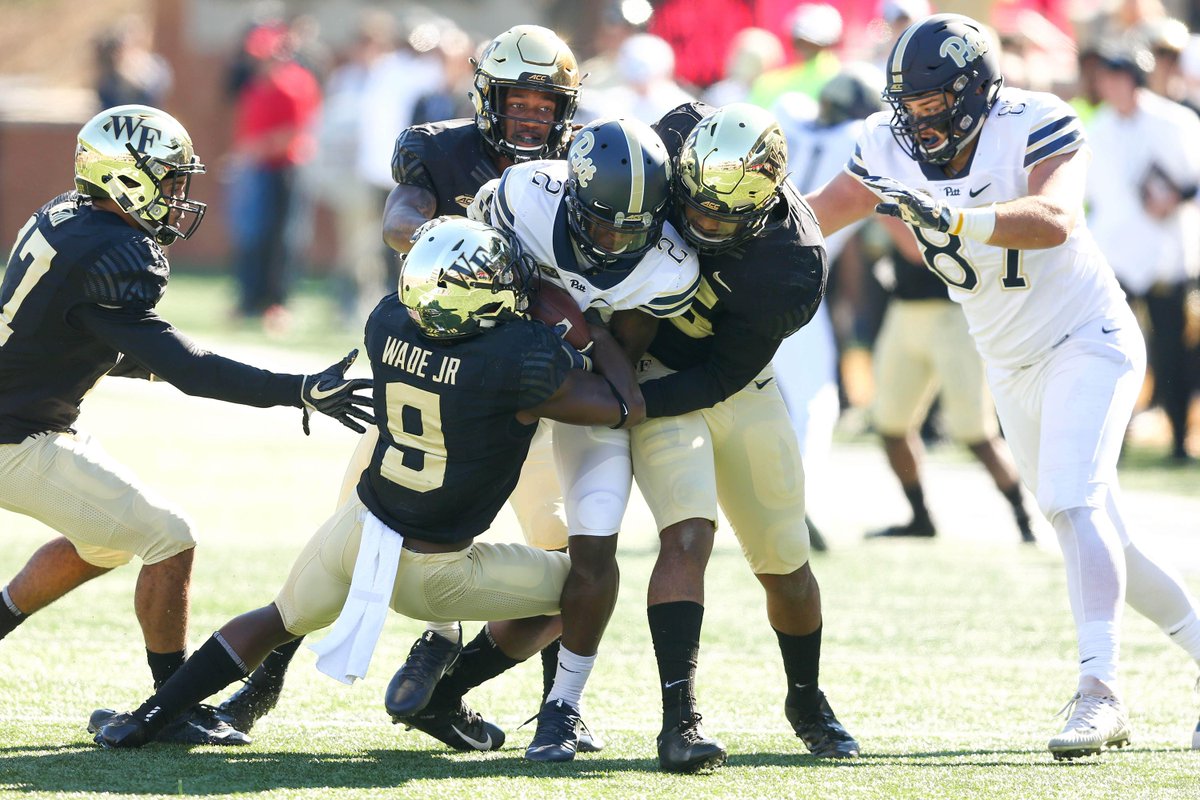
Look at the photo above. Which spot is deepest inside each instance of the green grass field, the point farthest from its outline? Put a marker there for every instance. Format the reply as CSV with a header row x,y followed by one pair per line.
x,y
947,659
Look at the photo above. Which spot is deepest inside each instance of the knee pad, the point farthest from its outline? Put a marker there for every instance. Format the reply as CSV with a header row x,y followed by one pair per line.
x,y
597,513
1065,491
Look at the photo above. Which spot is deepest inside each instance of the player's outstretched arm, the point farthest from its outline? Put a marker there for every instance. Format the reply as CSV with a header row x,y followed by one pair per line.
x,y
612,360
163,351
583,398
407,208
841,202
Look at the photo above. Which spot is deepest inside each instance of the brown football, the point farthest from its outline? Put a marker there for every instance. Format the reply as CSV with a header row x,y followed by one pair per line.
x,y
555,307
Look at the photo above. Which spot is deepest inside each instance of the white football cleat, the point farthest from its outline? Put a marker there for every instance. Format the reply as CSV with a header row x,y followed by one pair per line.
x,y
1096,721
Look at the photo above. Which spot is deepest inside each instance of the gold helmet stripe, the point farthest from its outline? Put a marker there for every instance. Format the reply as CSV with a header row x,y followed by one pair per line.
x,y
895,73
637,174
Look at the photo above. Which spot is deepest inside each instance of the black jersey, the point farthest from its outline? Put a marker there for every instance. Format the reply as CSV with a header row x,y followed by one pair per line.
x,y
915,281
79,290
750,299
450,447
448,159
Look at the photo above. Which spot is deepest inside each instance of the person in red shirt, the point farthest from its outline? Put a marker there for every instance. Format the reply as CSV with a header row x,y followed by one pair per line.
x,y
272,137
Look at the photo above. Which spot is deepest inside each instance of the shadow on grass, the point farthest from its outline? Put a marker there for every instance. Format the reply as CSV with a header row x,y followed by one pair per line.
x,y
176,770
940,759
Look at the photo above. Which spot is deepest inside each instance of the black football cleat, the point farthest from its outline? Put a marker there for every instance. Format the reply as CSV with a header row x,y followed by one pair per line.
x,y
249,704
201,724
457,726
815,540
1027,535
821,732
412,686
557,734
116,730
687,748
589,740
917,529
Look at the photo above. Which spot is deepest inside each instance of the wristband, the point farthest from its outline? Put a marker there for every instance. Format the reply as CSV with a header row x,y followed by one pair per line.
x,y
976,223
620,403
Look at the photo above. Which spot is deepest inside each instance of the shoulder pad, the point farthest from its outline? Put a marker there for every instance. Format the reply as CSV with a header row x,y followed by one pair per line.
x,y
674,126
131,273
409,157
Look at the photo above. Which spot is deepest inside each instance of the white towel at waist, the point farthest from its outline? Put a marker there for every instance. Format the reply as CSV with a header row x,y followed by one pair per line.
x,y
346,652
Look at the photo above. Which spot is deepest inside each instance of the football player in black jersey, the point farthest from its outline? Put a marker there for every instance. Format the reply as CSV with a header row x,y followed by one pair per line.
x,y
78,302
707,379
463,380
526,88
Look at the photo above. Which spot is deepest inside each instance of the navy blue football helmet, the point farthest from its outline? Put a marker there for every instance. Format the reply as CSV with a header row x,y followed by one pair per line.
x,y
618,188
946,53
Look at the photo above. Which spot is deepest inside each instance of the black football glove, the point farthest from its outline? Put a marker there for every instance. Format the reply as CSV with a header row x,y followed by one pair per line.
x,y
911,205
332,393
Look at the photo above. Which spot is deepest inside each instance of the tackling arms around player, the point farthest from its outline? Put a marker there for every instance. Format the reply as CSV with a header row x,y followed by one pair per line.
x,y
461,379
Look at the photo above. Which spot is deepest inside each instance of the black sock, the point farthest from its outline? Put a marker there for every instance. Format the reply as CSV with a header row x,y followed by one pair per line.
x,y
549,667
1014,498
916,499
480,660
10,615
675,632
209,670
275,665
163,666
801,664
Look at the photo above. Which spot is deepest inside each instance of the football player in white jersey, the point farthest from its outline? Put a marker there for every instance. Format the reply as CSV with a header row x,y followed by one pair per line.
x,y
992,180
596,225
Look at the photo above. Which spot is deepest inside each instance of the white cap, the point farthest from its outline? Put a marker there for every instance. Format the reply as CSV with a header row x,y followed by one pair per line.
x,y
1189,59
819,23
892,10
644,58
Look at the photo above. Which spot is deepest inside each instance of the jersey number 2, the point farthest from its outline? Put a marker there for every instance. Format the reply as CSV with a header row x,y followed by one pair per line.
x,y
418,459
961,274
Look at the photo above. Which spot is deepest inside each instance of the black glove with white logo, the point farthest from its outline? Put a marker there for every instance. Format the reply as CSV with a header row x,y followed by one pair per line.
x,y
333,394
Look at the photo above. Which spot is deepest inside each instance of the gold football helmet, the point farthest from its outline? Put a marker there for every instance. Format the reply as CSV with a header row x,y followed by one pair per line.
x,y
143,159
462,276
527,57
730,169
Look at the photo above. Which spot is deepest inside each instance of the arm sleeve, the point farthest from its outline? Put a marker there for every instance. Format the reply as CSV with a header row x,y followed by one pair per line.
x,y
737,355
544,366
408,161
150,340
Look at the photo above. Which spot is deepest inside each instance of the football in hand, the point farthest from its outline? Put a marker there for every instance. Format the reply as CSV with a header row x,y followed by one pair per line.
x,y
555,307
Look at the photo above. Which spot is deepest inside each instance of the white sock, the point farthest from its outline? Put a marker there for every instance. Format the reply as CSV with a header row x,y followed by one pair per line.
x,y
1099,652
1186,634
572,675
447,630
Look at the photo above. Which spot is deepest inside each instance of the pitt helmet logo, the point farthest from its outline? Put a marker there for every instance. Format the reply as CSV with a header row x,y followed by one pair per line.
x,y
578,159
964,49
133,128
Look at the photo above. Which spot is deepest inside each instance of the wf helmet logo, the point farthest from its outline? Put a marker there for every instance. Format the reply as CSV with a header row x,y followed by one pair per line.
x,y
131,128
578,159
964,49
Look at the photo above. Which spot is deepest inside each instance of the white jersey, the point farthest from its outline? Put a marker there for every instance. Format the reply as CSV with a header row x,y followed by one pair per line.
x,y
816,154
1019,303
529,201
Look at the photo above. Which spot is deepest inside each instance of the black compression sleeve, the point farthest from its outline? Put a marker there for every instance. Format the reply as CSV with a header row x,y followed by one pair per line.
x,y
737,355
174,358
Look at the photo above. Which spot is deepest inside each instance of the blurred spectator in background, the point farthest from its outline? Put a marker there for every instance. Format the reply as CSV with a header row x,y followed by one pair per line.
x,y
601,68
1167,39
816,31
752,52
1189,70
894,17
450,100
819,135
271,138
699,31
393,85
331,178
1141,194
1085,96
646,66
127,71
